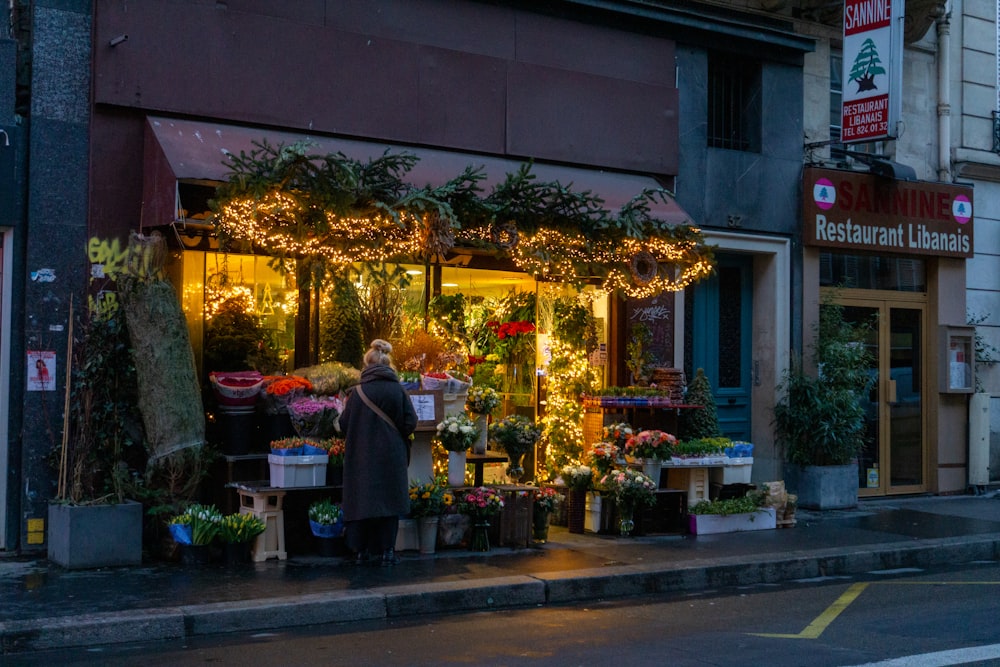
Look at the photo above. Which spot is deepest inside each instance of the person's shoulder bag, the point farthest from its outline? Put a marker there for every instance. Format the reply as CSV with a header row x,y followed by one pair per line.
x,y
381,413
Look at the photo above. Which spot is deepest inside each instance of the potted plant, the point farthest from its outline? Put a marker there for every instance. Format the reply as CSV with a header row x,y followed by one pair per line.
x,y
195,529
631,490
237,532
731,515
456,433
427,502
326,521
480,402
481,504
651,447
640,358
93,521
516,435
335,448
820,419
545,500
578,479
703,423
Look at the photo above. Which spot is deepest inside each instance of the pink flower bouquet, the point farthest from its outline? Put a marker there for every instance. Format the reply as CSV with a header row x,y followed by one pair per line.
x,y
657,445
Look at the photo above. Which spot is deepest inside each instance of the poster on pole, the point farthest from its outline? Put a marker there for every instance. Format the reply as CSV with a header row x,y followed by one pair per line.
x,y
873,70
41,370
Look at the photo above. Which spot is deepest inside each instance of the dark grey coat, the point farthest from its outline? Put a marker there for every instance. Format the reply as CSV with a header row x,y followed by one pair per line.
x,y
375,459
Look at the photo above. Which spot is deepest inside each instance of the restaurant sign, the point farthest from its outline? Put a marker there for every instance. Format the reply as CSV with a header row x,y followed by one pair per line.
x,y
871,100
854,210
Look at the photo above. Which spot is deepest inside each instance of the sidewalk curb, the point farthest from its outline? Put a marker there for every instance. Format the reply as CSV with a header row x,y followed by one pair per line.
x,y
399,601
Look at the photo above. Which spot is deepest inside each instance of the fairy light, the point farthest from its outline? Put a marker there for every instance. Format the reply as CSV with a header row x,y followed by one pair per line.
x,y
289,226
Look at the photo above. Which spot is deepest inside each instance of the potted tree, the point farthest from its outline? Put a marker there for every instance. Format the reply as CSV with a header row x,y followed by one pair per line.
x,y
91,521
820,419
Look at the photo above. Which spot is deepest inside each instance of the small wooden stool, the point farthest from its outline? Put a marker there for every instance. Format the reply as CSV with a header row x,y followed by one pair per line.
x,y
266,506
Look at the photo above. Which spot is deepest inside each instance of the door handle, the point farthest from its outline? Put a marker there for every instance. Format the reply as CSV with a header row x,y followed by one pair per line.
x,y
892,391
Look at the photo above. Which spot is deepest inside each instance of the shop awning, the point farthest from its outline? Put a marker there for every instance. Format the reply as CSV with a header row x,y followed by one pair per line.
x,y
195,151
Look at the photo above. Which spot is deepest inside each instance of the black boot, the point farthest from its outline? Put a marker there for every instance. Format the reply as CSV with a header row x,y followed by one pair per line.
x,y
389,558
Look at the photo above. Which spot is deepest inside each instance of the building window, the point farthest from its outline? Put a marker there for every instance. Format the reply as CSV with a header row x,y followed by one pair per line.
x,y
734,104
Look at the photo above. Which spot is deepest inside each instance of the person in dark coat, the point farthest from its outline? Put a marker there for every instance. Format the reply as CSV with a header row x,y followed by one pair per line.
x,y
376,457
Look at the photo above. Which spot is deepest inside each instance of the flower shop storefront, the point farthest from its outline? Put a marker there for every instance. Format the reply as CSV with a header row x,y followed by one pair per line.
x,y
516,279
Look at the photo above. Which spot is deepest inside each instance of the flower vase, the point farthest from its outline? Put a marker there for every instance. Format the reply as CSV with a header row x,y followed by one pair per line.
x,y
480,536
625,522
479,446
576,512
427,530
651,468
540,527
515,471
456,468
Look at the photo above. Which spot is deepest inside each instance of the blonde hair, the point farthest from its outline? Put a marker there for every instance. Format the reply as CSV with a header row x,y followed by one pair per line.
x,y
379,353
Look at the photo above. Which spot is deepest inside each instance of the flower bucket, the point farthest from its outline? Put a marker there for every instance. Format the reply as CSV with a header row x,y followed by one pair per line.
x,y
456,468
479,446
576,512
651,468
427,530
327,529
313,450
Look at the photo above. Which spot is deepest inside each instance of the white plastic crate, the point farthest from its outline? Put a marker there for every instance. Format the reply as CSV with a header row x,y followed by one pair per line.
x,y
736,471
290,471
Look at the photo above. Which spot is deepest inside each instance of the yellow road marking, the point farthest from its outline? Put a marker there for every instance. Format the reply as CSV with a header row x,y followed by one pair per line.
x,y
816,628
821,622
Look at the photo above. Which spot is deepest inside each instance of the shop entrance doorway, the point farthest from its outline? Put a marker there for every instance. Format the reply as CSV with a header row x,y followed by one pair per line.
x,y
720,335
894,459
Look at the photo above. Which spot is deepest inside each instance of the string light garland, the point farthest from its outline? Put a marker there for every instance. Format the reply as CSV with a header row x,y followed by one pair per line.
x,y
331,211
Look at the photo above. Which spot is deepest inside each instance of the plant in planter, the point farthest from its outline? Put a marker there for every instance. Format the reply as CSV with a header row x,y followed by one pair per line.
x,y
326,519
544,505
237,532
820,420
703,423
640,359
732,514
651,444
92,521
631,490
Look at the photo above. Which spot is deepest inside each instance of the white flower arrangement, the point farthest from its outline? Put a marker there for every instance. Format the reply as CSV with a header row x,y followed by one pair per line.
x,y
456,433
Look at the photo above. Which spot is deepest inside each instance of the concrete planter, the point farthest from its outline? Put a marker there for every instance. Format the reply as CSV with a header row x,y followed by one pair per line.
x,y
88,536
823,487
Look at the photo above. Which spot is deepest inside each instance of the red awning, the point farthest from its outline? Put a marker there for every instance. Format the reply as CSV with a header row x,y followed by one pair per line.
x,y
193,151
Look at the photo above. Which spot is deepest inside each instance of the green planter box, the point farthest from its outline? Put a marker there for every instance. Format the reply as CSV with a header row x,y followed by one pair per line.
x,y
88,536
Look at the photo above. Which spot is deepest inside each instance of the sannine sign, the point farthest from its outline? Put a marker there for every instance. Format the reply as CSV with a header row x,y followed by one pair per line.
x,y
858,211
872,74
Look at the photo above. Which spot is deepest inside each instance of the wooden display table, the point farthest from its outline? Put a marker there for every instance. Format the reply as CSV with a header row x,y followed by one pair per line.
x,y
479,460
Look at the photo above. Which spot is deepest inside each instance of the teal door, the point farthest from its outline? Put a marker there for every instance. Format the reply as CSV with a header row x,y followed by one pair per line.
x,y
719,338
